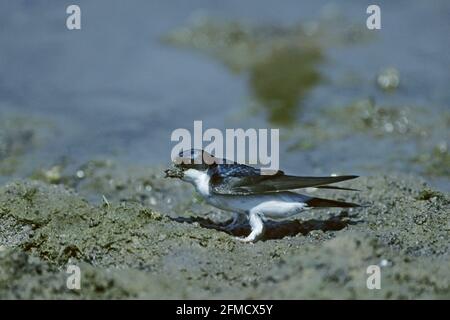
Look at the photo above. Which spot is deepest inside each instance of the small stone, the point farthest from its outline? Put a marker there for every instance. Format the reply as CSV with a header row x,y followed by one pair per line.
x,y
420,219
384,263
53,175
162,237
388,79
156,215
389,127
80,174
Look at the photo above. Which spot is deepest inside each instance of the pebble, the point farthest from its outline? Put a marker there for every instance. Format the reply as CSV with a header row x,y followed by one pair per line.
x,y
388,79
384,263
80,174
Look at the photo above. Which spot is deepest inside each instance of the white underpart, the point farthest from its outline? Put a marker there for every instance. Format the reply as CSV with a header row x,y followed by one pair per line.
x,y
199,179
275,205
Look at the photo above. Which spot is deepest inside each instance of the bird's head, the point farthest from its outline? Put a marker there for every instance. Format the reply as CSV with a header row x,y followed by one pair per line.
x,y
190,163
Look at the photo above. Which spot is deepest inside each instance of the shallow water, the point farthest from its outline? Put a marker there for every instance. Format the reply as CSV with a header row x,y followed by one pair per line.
x,y
114,89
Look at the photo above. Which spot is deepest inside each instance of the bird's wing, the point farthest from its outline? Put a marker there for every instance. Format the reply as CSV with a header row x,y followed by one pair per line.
x,y
244,180
336,188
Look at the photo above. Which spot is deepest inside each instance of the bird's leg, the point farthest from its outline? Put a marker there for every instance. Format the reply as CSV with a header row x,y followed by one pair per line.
x,y
257,228
237,219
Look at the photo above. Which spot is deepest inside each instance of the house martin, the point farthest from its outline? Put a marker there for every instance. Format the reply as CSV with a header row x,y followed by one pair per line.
x,y
247,193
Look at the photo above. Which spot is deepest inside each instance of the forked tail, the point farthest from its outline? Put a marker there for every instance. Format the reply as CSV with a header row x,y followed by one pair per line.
x,y
326,203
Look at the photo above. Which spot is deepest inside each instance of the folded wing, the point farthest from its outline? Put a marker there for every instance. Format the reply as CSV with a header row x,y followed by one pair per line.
x,y
243,182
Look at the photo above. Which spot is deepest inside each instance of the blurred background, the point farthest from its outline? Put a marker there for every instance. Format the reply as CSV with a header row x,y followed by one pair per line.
x,y
346,99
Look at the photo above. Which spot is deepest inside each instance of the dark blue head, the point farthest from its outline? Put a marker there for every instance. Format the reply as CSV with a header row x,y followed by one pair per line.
x,y
191,159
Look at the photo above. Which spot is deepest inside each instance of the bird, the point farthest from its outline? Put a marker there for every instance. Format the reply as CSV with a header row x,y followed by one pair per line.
x,y
243,190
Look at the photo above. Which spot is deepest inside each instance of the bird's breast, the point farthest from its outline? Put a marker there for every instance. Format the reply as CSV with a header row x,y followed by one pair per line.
x,y
202,185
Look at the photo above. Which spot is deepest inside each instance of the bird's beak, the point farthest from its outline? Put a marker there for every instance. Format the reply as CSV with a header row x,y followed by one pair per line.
x,y
173,172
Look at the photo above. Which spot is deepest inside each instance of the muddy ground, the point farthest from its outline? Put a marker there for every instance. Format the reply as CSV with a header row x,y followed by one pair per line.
x,y
84,133
144,236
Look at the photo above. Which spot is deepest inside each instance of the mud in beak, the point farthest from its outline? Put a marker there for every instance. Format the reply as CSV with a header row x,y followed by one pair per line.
x,y
174,172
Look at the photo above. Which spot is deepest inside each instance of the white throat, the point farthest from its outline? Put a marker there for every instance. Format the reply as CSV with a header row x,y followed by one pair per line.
x,y
199,179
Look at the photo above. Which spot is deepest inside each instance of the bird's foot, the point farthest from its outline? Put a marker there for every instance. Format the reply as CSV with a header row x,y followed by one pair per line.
x,y
238,219
257,227
229,227
252,237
